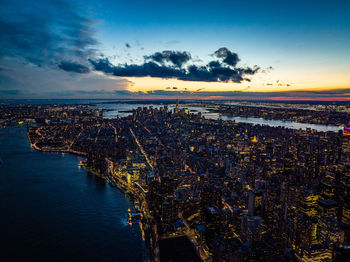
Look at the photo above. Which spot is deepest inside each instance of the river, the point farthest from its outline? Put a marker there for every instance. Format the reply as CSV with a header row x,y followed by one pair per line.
x,y
119,109
52,210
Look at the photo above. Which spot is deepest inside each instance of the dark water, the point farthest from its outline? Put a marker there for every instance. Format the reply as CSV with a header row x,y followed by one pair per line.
x,y
50,210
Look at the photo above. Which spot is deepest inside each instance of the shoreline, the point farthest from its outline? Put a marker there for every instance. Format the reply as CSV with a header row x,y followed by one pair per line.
x,y
116,182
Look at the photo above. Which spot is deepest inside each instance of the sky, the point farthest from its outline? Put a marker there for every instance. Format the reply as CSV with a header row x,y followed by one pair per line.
x,y
255,49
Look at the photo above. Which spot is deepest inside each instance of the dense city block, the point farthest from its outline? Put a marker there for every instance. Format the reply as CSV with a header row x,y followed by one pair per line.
x,y
236,191
315,114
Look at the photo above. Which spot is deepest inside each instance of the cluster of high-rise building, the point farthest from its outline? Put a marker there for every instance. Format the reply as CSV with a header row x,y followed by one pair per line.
x,y
239,192
18,114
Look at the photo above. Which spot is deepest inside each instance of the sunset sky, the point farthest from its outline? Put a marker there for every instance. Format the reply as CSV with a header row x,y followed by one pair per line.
x,y
154,49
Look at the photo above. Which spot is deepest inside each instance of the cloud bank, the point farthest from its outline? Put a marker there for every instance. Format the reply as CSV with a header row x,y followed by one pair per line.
x,y
42,40
56,34
46,33
170,64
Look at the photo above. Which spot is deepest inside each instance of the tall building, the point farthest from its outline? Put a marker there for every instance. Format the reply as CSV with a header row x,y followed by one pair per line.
x,y
177,106
305,231
345,214
327,189
345,155
255,202
327,208
251,228
212,226
314,253
166,109
308,202
330,232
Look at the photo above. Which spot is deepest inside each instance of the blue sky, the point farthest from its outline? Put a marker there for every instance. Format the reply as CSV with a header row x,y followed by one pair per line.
x,y
306,42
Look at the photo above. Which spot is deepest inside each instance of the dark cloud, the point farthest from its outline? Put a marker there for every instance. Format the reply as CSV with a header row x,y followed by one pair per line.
x,y
147,69
228,57
177,58
73,67
219,73
44,33
214,71
214,64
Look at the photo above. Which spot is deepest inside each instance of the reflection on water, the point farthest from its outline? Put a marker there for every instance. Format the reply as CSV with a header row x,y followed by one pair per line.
x,y
117,110
280,123
52,210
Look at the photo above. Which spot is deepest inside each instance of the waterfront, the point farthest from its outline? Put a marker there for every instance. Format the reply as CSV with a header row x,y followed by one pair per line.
x,y
280,123
51,206
172,161
121,110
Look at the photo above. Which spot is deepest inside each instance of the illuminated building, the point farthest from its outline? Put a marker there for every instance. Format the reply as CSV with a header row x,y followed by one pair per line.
x,y
254,139
255,202
305,231
345,211
327,208
347,130
314,253
345,157
330,232
228,184
168,210
327,189
346,215
176,110
308,202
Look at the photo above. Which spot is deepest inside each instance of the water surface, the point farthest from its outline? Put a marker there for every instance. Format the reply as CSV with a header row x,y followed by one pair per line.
x,y
51,210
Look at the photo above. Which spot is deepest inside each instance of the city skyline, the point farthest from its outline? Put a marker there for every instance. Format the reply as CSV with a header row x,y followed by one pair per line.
x,y
175,131
208,181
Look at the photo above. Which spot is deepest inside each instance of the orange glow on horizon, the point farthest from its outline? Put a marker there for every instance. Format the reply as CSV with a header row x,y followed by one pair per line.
x,y
147,84
309,98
